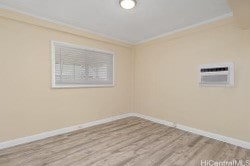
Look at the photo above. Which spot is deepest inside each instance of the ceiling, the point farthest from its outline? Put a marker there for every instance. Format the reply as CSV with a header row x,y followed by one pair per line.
x,y
148,20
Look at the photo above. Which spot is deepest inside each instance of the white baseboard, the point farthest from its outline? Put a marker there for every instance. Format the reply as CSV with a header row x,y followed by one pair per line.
x,y
44,135
222,138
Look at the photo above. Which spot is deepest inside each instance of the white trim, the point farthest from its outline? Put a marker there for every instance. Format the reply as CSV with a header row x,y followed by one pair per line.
x,y
44,135
116,39
219,137
53,81
81,47
53,62
64,24
186,28
150,118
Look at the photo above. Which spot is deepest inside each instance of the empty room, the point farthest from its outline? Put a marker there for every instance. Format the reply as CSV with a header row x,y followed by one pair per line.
x,y
125,83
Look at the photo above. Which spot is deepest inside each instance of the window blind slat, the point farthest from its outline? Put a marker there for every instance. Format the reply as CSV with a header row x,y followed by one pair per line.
x,y
75,66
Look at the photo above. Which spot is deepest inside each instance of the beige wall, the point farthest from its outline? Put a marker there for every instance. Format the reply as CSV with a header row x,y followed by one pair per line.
x,y
28,104
241,10
166,79
157,78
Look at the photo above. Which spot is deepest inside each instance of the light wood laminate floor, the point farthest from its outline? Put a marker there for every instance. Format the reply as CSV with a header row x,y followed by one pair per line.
x,y
130,141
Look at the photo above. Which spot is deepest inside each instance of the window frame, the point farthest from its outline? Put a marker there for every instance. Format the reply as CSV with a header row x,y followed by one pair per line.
x,y
53,70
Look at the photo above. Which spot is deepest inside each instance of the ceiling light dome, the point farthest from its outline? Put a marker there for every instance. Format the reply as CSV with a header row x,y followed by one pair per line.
x,y
127,4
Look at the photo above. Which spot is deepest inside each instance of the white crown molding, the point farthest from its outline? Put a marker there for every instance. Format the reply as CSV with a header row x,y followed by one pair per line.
x,y
186,28
85,30
116,39
44,135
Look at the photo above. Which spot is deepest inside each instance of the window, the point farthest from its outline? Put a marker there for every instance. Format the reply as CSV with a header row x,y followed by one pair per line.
x,y
75,66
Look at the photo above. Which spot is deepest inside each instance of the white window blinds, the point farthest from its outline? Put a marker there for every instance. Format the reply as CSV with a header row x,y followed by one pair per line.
x,y
74,66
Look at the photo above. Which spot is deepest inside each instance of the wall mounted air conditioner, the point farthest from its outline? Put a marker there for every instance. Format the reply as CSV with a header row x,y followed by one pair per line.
x,y
221,74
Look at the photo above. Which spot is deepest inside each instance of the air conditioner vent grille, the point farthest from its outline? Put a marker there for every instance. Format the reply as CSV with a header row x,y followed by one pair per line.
x,y
217,74
214,69
218,79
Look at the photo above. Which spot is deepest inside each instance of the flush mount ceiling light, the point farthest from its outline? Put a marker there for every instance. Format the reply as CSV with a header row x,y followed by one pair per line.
x,y
127,4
